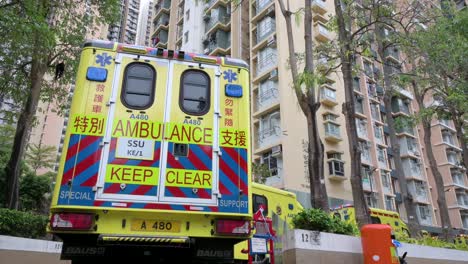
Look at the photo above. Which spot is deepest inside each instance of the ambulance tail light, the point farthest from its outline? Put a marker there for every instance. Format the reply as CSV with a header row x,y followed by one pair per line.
x,y
232,227
71,221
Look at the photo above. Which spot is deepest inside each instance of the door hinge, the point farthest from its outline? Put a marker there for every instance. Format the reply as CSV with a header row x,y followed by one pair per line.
x,y
217,150
218,73
97,187
103,143
118,60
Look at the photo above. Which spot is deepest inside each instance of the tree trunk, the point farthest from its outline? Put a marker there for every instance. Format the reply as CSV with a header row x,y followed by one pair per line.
x,y
319,197
23,127
410,207
439,180
360,205
309,106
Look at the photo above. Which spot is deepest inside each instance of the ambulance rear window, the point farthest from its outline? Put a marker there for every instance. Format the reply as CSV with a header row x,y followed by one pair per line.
x,y
195,92
138,86
260,200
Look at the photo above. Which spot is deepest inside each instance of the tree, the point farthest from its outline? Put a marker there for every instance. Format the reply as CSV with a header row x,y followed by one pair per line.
x,y
37,37
395,22
34,191
305,85
349,32
41,156
438,74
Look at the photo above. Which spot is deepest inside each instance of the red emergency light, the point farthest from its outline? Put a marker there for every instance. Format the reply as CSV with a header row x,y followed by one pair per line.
x,y
232,227
75,221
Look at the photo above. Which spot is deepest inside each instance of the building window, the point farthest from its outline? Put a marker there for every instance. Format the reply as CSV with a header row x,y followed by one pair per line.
x,y
332,129
271,162
138,86
335,164
371,200
381,157
187,15
186,35
356,84
195,92
358,104
452,157
365,151
389,205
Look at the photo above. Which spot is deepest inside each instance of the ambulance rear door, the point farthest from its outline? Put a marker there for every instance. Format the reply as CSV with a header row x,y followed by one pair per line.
x,y
130,164
189,161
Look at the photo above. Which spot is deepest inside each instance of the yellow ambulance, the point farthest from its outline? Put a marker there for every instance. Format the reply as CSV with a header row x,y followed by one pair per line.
x,y
378,216
155,165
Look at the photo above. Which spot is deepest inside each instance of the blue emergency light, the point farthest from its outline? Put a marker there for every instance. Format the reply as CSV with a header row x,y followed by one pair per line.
x,y
96,74
233,90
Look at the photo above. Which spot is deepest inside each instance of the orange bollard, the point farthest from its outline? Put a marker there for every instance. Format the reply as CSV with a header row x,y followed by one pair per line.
x,y
377,246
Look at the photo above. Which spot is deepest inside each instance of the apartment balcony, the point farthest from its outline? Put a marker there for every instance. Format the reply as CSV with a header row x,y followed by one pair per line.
x,y
265,28
162,23
214,4
387,190
412,168
424,215
218,44
458,178
392,53
163,6
365,157
378,135
403,92
368,69
446,124
268,137
404,131
267,97
462,200
361,126
319,7
332,132
160,39
328,96
267,59
262,6
400,107
218,22
368,184
321,32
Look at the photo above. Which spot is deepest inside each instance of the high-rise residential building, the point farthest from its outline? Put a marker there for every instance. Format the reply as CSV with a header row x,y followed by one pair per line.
x,y
144,23
125,31
212,27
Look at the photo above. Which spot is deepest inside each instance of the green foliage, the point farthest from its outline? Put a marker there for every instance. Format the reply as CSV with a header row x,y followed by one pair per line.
x,y
41,156
260,172
22,224
318,220
427,240
34,192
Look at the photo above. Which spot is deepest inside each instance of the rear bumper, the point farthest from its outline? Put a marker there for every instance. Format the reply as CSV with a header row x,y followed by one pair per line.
x,y
81,247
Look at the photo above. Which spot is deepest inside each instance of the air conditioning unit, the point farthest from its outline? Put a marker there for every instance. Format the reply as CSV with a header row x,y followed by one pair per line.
x,y
206,51
207,17
416,153
271,42
276,151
